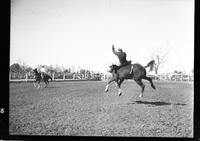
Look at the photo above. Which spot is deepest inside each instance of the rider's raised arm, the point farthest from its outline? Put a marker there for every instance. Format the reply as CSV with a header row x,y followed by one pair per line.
x,y
113,50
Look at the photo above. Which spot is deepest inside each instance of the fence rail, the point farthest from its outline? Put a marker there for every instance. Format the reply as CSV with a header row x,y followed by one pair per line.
x,y
173,77
14,77
28,77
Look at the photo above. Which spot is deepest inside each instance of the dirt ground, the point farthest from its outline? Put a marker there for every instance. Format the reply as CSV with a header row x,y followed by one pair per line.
x,y
84,109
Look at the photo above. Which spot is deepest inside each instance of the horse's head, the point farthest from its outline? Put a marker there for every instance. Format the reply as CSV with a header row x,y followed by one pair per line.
x,y
35,70
113,67
37,74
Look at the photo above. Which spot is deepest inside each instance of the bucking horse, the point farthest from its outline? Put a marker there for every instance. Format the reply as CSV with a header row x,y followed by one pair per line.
x,y
130,71
38,78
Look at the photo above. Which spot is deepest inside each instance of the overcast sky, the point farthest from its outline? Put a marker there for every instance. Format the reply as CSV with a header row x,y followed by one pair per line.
x,y
81,32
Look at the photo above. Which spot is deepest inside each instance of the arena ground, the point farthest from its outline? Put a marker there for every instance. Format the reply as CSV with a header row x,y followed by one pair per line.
x,y
84,109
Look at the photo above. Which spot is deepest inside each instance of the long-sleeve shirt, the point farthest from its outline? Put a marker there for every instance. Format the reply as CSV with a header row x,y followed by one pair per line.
x,y
42,70
121,56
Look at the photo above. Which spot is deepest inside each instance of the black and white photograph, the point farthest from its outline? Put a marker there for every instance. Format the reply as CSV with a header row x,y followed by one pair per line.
x,y
101,68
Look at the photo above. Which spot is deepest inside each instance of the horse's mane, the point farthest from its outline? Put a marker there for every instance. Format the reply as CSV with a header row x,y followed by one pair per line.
x,y
115,67
36,72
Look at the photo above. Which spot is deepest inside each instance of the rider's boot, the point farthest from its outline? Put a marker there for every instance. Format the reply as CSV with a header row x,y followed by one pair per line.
x,y
131,69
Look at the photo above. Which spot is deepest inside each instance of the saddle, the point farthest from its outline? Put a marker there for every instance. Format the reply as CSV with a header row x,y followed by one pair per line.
x,y
126,63
122,65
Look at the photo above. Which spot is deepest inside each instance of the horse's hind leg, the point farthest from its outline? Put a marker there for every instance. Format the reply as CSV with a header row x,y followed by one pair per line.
x,y
150,80
139,82
47,82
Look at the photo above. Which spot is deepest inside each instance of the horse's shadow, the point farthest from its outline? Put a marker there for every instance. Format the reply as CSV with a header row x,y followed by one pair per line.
x,y
156,103
52,87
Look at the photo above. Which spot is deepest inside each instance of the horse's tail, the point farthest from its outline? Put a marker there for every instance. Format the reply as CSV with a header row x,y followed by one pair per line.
x,y
50,78
150,64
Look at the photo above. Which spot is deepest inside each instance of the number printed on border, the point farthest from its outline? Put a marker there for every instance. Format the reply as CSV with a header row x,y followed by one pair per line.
x,y
2,110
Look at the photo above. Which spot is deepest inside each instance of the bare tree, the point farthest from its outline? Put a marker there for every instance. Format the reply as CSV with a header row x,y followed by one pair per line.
x,y
160,55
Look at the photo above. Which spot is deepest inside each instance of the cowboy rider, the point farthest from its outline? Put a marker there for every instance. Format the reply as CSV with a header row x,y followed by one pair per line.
x,y
121,55
42,71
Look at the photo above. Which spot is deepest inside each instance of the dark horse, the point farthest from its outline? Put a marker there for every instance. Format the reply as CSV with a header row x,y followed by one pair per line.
x,y
130,71
38,78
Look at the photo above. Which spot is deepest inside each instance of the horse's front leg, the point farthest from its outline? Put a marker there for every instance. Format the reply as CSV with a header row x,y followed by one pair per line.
x,y
119,86
111,80
38,84
34,84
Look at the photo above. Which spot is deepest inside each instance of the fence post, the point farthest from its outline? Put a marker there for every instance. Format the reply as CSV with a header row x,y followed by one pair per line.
x,y
53,76
26,76
64,76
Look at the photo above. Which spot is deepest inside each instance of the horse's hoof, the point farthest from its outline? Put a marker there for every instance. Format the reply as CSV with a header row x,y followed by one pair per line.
x,y
120,94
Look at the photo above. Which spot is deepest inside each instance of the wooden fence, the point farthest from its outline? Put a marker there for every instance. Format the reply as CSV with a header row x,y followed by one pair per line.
x,y
14,77
173,77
